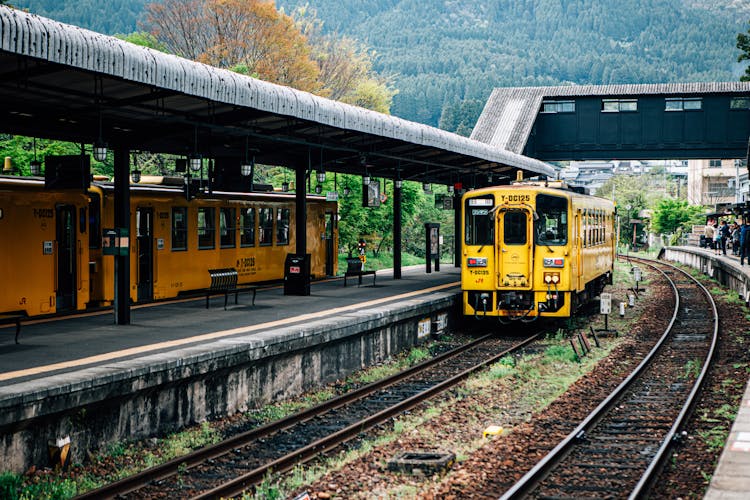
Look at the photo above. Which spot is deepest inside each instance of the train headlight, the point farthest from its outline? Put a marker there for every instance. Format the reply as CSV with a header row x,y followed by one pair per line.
x,y
550,278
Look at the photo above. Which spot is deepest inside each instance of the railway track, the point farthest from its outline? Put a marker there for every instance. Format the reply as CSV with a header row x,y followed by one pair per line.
x,y
233,466
618,450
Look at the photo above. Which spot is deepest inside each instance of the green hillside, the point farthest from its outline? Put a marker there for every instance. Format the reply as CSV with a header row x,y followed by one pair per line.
x,y
446,52
447,55
105,16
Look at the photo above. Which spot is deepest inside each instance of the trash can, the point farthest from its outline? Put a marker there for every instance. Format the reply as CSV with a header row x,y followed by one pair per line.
x,y
297,274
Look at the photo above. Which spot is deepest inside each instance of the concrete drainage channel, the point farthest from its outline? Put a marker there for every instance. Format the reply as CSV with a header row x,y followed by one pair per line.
x,y
420,463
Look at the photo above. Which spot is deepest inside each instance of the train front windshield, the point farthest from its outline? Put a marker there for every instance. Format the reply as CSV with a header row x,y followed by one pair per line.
x,y
551,228
479,222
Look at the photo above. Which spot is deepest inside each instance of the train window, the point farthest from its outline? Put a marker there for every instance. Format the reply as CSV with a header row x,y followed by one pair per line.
x,y
179,228
282,226
551,226
95,237
479,227
514,227
265,232
247,236
227,228
206,228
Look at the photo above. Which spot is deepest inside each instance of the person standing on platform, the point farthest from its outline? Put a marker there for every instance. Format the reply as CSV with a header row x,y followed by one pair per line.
x,y
710,233
745,240
735,239
717,239
725,233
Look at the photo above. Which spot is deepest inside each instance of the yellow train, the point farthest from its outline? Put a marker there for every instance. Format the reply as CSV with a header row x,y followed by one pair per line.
x,y
534,250
51,242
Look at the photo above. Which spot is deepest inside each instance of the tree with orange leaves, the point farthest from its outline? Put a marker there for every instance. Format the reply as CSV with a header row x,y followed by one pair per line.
x,y
246,35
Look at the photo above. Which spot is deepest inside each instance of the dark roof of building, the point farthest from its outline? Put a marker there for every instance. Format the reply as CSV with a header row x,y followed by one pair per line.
x,y
510,112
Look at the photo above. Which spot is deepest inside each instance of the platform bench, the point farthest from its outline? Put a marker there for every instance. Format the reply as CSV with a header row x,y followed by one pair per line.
x,y
354,268
224,281
13,317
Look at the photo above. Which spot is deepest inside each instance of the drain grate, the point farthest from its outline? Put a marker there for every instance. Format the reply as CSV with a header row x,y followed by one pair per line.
x,y
424,463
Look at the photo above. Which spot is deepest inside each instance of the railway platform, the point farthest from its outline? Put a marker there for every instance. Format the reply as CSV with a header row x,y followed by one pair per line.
x,y
83,377
731,479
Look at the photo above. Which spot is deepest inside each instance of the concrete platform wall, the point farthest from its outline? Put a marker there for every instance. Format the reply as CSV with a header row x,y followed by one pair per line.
x,y
723,269
163,392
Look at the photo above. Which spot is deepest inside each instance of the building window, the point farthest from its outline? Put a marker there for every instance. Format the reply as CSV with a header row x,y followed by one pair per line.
x,y
179,228
265,235
247,237
739,103
206,228
282,226
558,106
683,103
619,105
227,229
714,163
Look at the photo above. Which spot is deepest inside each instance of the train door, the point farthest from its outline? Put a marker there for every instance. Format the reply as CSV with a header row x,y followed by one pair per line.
x,y
329,231
66,272
514,248
144,218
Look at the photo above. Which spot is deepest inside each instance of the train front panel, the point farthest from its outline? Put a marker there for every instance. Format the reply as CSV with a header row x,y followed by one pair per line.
x,y
517,253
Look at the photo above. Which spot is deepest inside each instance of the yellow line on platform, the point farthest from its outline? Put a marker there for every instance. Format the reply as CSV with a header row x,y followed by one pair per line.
x,y
109,356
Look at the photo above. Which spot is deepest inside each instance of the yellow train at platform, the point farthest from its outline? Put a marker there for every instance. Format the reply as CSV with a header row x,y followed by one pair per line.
x,y
53,261
534,249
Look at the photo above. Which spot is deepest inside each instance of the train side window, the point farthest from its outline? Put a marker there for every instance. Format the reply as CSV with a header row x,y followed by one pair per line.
x,y
247,236
265,231
179,228
551,226
227,228
596,227
282,226
478,221
95,238
514,227
206,228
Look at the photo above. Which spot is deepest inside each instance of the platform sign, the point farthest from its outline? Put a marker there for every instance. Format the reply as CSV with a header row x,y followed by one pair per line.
x,y
605,303
423,328
441,322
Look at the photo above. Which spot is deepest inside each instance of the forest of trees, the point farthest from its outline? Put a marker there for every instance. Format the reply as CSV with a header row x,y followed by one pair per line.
x,y
445,57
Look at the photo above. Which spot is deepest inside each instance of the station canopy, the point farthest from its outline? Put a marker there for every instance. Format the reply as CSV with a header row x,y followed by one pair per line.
x,y
67,83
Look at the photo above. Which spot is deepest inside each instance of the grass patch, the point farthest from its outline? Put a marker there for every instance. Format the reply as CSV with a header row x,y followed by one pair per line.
x,y
714,437
10,485
692,369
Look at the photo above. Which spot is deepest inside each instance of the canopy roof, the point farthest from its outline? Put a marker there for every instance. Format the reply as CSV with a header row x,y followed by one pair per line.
x,y
64,82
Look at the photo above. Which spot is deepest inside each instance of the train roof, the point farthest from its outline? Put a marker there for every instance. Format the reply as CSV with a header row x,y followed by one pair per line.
x,y
549,187
168,188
